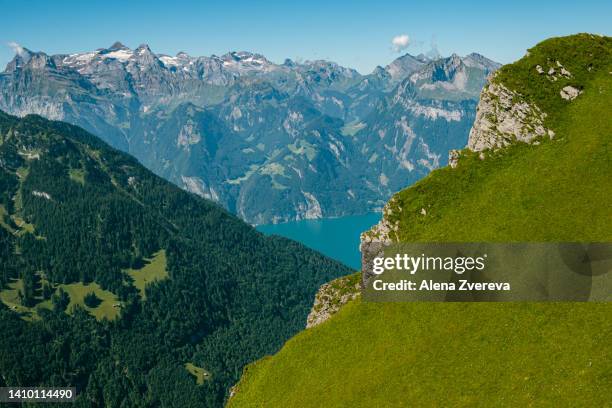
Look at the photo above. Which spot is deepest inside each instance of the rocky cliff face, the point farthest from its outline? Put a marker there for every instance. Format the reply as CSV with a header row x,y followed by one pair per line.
x,y
504,117
331,297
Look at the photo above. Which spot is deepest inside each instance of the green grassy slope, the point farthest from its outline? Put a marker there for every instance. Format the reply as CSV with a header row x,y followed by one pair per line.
x,y
107,309
447,354
199,373
154,270
465,354
10,297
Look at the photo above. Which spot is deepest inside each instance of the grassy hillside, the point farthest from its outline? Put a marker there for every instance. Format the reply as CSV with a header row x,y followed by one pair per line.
x,y
465,354
447,354
154,270
9,295
109,307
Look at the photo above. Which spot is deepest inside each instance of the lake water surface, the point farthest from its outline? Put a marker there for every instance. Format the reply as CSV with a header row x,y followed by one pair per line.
x,y
337,238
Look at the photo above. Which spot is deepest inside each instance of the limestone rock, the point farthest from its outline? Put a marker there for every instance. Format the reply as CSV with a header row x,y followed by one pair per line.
x,y
373,242
569,93
382,231
503,117
566,73
453,158
331,297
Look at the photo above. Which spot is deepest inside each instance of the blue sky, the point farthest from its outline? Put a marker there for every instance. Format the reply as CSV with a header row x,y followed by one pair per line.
x,y
353,33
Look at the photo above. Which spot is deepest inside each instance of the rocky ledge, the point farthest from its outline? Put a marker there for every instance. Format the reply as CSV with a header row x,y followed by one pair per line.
x,y
504,117
331,297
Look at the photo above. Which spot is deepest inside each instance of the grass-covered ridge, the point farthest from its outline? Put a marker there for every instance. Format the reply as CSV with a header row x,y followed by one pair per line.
x,y
465,354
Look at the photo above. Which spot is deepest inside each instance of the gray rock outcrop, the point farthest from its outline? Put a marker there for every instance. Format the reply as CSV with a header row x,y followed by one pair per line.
x,y
373,241
331,297
569,93
504,117
453,158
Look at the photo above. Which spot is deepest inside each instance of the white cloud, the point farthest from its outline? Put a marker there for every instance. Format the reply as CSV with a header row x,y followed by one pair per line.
x,y
18,49
433,52
400,42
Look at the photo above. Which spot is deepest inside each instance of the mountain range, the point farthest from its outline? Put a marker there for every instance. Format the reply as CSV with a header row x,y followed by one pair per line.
x,y
269,142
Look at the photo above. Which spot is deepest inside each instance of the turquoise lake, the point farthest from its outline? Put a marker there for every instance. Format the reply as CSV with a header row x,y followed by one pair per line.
x,y
337,238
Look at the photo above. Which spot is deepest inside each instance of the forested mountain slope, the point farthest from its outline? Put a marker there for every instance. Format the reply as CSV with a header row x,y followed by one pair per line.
x,y
538,169
112,279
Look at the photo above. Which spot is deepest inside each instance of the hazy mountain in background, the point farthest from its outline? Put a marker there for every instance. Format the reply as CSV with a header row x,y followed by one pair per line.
x,y
270,142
